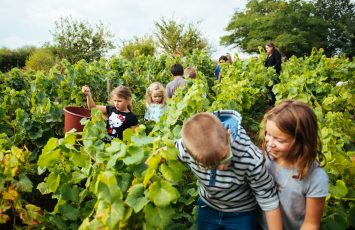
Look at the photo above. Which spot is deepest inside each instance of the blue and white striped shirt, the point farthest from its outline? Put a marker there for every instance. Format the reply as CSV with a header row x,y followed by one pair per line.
x,y
243,185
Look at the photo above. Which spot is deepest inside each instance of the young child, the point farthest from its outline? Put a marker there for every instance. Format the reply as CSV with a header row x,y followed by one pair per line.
x,y
217,71
190,72
120,116
231,173
293,150
190,75
155,102
177,71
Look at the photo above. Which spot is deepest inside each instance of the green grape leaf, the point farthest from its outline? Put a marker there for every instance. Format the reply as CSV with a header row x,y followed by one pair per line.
x,y
158,217
70,138
48,158
139,141
172,171
24,184
69,211
124,181
336,222
77,177
106,187
169,153
51,144
117,213
117,150
127,135
135,198
69,193
116,146
339,190
43,188
80,158
135,155
35,131
52,181
153,162
162,193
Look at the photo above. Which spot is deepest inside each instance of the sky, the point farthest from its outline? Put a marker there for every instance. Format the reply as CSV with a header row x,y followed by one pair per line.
x,y
30,22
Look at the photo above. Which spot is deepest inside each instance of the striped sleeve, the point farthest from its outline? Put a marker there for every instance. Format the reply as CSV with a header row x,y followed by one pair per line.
x,y
182,155
262,183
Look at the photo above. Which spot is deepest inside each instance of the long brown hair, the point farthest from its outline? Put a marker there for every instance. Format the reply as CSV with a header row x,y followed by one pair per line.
x,y
298,120
123,92
272,45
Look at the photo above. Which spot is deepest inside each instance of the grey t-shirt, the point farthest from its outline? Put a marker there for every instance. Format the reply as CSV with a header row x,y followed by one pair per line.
x,y
173,85
293,192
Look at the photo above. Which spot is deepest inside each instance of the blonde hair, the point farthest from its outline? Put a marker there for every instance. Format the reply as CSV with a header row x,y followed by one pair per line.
x,y
190,72
205,139
297,119
155,86
123,92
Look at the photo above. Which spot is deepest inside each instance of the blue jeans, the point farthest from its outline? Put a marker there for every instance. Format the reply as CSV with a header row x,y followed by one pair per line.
x,y
210,219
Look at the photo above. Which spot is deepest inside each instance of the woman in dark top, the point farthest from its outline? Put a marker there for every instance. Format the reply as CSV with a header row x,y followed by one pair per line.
x,y
273,57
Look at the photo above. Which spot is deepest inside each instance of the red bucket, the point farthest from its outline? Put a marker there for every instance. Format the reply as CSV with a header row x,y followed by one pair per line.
x,y
72,117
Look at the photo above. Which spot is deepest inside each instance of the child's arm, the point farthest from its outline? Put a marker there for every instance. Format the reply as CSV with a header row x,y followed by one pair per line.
x,y
219,76
273,219
314,212
91,104
264,189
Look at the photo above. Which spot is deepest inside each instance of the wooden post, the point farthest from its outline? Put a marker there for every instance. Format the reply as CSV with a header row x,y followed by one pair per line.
x,y
109,88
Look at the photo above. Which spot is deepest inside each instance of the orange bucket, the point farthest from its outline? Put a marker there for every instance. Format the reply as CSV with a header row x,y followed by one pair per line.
x,y
72,117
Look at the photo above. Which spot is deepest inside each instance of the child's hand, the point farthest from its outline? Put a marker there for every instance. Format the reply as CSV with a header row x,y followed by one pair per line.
x,y
85,90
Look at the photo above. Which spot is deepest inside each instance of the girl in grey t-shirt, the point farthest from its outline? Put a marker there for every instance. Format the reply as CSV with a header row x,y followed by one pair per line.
x,y
293,150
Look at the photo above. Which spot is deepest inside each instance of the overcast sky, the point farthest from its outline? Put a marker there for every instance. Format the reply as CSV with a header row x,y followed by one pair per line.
x,y
29,22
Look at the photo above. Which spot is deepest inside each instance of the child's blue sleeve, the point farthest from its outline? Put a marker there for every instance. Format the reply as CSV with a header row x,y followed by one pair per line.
x,y
230,120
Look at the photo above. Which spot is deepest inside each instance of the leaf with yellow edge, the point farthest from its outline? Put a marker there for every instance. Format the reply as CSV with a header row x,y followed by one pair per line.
x,y
51,144
52,181
18,153
169,153
4,218
11,164
172,171
10,194
339,189
152,162
70,138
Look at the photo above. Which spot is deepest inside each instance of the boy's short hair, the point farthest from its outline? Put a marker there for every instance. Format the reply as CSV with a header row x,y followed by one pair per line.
x,y
190,72
223,58
177,70
205,139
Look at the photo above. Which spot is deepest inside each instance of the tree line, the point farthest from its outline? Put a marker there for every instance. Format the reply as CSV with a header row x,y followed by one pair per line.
x,y
295,26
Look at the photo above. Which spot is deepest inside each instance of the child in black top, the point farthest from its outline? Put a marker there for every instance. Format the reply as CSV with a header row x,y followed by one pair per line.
x,y
120,116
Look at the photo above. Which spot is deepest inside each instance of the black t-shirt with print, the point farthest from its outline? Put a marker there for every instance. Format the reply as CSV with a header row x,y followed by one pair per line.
x,y
119,121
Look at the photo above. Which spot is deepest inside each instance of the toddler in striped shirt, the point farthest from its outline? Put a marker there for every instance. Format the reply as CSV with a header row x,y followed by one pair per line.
x,y
232,177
